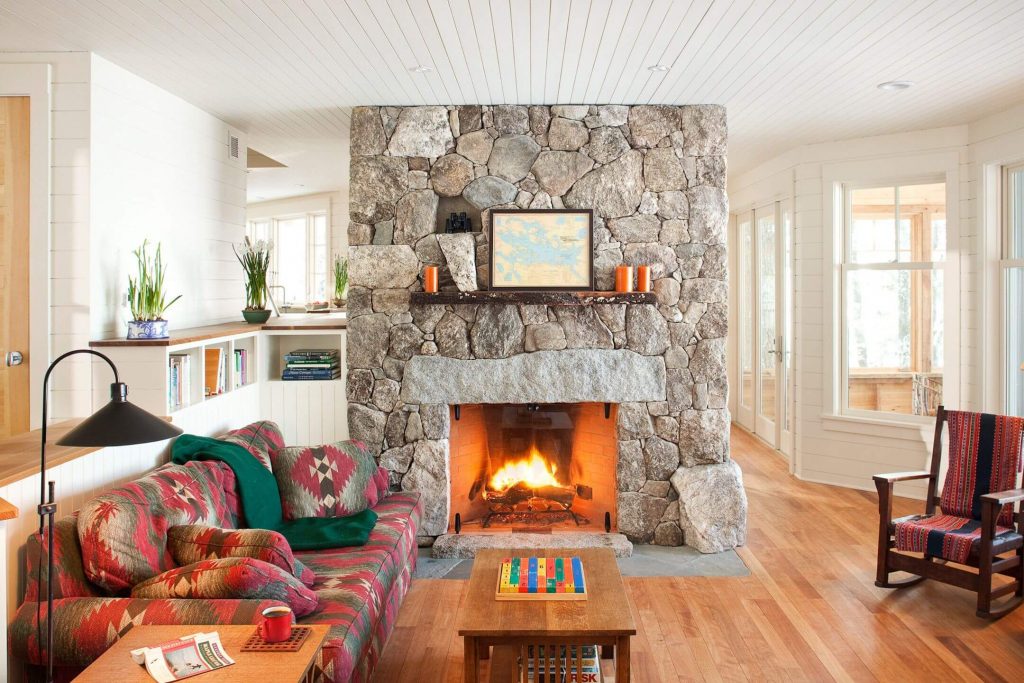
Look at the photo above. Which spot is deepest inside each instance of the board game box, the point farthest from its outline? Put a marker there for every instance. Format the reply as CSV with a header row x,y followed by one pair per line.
x,y
541,578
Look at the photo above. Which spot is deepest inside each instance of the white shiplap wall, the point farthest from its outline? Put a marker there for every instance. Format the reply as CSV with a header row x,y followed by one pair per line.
x,y
161,170
849,456
69,222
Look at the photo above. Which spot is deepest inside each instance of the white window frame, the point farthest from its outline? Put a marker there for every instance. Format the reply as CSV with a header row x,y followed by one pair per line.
x,y
1005,263
878,172
299,207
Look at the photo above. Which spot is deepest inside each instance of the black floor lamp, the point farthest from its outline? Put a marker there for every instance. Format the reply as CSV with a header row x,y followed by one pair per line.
x,y
119,423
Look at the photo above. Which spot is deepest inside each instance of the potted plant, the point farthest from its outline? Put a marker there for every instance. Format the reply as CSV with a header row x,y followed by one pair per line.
x,y
146,296
340,280
255,260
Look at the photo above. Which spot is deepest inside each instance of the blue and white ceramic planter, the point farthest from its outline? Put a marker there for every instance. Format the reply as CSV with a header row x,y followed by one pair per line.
x,y
147,329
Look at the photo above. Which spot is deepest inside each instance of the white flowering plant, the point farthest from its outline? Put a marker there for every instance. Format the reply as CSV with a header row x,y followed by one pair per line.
x,y
255,259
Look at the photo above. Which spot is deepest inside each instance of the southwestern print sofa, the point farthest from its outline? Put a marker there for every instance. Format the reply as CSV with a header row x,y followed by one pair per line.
x,y
358,590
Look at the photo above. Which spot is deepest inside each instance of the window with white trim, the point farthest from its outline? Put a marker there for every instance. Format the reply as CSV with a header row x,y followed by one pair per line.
x,y
892,280
299,261
1011,266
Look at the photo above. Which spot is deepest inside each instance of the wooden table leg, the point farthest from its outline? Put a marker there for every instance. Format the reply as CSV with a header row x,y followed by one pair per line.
x,y
483,651
622,660
471,664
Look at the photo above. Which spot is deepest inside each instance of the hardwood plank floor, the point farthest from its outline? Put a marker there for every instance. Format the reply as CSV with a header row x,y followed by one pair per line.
x,y
809,611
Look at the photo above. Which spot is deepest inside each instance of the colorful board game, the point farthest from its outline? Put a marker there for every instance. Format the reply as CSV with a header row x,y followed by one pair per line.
x,y
541,578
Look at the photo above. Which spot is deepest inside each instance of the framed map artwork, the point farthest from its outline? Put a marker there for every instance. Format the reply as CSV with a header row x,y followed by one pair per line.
x,y
534,249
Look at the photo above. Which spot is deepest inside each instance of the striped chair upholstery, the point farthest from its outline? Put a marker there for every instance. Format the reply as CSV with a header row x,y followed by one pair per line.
x,y
984,457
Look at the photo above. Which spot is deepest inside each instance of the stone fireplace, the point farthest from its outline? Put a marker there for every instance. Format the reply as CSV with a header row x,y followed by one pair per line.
x,y
655,178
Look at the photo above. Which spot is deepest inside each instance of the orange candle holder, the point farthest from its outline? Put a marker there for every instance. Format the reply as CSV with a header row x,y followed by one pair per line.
x,y
429,278
643,278
624,278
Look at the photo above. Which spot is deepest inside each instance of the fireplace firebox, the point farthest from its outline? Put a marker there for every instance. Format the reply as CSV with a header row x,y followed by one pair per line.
x,y
533,467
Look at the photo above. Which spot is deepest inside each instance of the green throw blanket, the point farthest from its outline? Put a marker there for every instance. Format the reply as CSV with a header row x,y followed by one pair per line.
x,y
261,500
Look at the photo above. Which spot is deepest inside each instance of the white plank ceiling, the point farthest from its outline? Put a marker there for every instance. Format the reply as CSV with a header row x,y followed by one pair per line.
x,y
790,72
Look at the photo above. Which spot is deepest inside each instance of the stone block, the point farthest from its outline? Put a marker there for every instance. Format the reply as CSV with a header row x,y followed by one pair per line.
x,y
421,132
712,506
377,267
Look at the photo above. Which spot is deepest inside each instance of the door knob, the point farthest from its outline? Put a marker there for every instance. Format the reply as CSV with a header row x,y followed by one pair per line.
x,y
13,358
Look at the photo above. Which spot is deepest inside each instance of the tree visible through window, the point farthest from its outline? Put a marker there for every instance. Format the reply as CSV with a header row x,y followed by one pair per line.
x,y
895,249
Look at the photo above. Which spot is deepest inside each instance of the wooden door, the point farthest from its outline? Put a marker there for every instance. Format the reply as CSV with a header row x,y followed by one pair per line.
x,y
14,240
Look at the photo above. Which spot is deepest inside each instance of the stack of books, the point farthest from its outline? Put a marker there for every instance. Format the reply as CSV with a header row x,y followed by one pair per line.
x,y
305,364
241,368
179,370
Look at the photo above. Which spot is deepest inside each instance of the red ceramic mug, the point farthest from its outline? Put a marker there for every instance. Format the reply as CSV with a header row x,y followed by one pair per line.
x,y
276,626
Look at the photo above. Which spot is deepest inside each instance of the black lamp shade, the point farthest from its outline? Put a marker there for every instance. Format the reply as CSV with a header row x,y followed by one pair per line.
x,y
119,423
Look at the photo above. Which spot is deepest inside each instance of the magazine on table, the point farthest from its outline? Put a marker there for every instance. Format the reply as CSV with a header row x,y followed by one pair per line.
x,y
188,656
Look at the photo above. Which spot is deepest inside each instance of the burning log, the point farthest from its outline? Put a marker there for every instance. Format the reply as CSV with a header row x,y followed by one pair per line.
x,y
559,494
510,496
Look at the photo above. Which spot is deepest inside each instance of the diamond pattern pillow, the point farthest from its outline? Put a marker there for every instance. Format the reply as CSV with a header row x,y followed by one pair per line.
x,y
230,578
259,438
334,480
190,543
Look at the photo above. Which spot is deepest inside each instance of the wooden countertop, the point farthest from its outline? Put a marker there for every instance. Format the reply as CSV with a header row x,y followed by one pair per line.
x,y
7,511
310,321
19,455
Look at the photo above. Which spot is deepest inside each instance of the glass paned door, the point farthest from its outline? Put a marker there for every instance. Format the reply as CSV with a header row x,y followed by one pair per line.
x,y
745,309
784,287
767,325
1013,288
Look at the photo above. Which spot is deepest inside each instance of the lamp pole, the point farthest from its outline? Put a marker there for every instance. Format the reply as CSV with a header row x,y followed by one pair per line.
x,y
119,423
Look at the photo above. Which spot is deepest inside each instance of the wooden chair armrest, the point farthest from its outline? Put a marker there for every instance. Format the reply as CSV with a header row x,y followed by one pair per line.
x,y
1000,498
901,476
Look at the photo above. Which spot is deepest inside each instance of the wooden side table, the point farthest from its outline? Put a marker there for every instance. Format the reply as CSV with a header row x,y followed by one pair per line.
x,y
279,667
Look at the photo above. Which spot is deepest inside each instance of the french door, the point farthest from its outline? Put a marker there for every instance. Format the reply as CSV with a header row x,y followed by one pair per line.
x,y
765,301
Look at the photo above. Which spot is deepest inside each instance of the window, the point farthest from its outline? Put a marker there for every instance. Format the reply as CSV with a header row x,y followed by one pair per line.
x,y
746,332
1012,267
299,262
892,281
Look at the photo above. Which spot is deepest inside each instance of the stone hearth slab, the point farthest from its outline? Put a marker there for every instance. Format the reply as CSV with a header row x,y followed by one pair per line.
x,y
569,376
465,546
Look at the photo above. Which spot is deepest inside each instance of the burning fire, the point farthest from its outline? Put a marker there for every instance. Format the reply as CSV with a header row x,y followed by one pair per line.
x,y
534,471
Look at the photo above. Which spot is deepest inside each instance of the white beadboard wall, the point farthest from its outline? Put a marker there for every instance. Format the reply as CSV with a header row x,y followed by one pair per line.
x,y
848,457
69,221
161,170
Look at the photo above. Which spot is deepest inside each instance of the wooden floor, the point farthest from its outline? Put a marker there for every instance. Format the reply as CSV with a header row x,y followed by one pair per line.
x,y
808,611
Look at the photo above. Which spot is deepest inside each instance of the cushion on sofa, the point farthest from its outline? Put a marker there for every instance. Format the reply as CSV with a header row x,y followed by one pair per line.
x,y
359,589
192,543
69,580
123,532
259,438
232,577
333,480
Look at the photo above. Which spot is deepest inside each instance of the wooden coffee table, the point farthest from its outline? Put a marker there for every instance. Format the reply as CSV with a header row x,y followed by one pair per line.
x,y
604,619
277,667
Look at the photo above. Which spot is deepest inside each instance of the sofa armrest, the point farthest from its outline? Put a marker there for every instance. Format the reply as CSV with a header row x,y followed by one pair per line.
x,y
85,627
1000,498
894,477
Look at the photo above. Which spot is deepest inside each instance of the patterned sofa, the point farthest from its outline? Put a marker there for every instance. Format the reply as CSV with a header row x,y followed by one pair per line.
x,y
359,588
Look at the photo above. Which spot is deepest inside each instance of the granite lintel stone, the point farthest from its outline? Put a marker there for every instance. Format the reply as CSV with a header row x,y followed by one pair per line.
x,y
566,376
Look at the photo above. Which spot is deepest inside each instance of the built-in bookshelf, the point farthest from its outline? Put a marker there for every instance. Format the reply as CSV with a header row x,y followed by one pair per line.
x,y
171,376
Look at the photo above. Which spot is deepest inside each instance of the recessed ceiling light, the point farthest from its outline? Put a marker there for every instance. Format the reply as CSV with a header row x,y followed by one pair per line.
x,y
659,67
421,69
895,85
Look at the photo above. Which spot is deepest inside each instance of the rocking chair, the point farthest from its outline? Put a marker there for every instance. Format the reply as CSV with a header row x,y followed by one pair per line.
x,y
976,525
